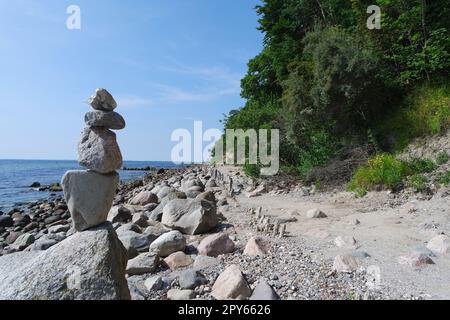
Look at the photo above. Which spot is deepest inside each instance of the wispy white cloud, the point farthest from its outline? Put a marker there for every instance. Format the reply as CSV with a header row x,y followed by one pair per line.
x,y
212,83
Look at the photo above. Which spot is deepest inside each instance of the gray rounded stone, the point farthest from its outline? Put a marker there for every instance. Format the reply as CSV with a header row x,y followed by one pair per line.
x,y
108,119
168,243
263,291
190,279
190,216
98,150
89,196
102,100
143,264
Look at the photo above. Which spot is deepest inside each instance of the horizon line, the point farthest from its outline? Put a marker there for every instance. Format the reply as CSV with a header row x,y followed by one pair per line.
x,y
18,159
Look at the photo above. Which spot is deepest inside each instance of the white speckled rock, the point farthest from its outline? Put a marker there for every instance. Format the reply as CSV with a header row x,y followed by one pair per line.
x,y
88,265
98,150
89,196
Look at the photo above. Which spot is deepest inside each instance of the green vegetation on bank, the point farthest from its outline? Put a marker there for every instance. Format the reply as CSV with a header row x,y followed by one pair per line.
x,y
331,85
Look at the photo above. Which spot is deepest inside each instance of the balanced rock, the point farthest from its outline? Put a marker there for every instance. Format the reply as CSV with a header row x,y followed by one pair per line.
x,y
102,100
111,120
98,150
88,265
89,196
190,216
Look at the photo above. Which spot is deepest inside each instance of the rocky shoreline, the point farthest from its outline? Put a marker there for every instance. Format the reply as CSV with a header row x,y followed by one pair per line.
x,y
200,256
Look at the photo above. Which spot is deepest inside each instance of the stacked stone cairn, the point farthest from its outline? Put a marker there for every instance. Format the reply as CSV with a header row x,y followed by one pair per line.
x,y
90,193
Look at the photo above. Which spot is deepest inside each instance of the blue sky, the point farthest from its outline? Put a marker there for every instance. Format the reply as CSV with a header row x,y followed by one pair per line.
x,y
167,63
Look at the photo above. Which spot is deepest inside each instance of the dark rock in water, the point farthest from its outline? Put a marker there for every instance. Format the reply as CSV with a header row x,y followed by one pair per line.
x,y
6,221
55,187
89,265
111,120
35,185
15,210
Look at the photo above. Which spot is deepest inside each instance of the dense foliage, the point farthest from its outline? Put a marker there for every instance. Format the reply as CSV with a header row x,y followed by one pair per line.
x,y
329,83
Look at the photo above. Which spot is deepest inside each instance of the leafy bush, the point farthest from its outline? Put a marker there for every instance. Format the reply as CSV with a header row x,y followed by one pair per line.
x,y
382,170
425,111
444,178
252,170
417,166
442,158
417,181
317,152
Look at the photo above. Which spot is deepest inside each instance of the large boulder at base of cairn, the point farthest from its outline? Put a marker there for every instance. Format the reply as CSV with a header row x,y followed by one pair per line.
x,y
102,100
190,216
98,150
89,196
88,265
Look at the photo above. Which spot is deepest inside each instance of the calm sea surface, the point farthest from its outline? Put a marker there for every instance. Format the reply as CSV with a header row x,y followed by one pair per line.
x,y
17,175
